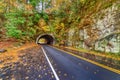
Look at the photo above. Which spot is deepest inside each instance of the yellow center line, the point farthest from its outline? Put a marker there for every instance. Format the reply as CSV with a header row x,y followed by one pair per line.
x,y
93,62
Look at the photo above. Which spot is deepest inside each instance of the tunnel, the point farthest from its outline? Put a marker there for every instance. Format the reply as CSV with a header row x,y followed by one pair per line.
x,y
49,39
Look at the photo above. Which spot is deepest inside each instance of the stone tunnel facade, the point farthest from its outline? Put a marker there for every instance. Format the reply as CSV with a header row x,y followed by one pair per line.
x,y
50,40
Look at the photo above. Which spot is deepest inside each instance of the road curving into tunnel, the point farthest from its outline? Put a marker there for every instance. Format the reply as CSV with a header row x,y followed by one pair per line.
x,y
69,67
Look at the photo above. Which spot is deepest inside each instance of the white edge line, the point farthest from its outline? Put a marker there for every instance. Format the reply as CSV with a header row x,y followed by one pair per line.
x,y
54,72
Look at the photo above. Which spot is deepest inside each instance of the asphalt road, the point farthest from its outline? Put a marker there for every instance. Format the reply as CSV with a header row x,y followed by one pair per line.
x,y
68,67
34,65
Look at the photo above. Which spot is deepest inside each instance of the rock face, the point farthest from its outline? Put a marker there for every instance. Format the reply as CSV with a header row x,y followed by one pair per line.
x,y
104,34
2,50
109,31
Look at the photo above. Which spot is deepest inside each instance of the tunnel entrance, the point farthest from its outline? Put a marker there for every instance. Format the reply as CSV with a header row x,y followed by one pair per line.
x,y
45,39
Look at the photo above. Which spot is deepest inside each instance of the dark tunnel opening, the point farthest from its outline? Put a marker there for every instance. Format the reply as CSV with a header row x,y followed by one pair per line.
x,y
48,39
